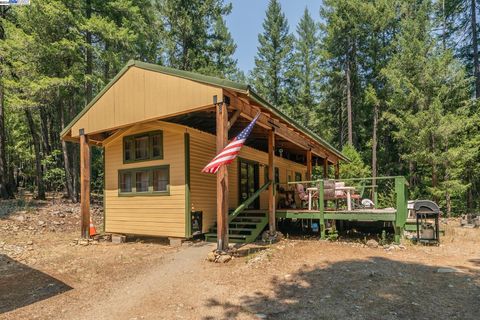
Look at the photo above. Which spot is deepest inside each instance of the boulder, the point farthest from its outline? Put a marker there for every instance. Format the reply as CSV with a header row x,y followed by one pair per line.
x,y
224,258
372,243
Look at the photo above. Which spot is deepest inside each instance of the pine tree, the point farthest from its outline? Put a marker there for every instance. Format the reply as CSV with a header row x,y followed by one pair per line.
x,y
273,55
428,107
306,71
187,30
220,53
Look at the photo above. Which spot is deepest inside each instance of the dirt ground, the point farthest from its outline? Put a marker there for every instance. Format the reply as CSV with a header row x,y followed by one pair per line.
x,y
44,275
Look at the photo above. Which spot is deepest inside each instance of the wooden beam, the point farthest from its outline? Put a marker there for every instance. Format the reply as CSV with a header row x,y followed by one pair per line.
x,y
271,177
233,119
249,112
325,168
309,164
337,170
222,178
84,185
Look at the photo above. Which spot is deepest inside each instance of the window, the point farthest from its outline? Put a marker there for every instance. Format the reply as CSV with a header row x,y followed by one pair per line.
x,y
126,182
160,179
298,176
141,181
142,147
144,181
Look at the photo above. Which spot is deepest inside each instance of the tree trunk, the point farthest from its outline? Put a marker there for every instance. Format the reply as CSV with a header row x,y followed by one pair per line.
x,y
374,147
4,192
44,130
349,100
66,161
476,67
89,56
38,155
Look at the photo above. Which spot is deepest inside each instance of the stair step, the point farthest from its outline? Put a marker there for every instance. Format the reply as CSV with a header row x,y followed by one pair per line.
x,y
234,231
247,219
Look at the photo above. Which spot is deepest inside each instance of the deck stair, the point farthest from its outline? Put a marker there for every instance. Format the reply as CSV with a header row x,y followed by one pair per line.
x,y
244,226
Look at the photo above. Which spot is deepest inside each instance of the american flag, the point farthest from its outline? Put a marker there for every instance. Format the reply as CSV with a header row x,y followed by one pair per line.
x,y
230,152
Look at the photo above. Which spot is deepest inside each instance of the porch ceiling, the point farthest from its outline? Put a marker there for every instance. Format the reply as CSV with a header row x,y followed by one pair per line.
x,y
205,120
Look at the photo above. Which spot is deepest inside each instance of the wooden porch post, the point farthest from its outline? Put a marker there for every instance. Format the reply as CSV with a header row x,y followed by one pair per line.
x,y
337,170
84,185
309,164
325,168
271,178
222,178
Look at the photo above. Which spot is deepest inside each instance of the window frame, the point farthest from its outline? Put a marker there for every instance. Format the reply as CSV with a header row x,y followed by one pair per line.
x,y
149,192
133,150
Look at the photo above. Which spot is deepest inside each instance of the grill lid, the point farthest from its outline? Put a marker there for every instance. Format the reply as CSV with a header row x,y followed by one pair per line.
x,y
426,206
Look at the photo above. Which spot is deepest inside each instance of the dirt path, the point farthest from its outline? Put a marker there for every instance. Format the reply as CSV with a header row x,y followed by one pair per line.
x,y
132,298
44,276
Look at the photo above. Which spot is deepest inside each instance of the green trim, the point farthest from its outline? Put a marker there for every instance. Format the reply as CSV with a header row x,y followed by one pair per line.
x,y
223,83
256,178
104,193
150,135
247,202
188,218
150,191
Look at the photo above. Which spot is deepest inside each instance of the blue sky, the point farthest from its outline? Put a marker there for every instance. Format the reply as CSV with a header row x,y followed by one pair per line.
x,y
245,23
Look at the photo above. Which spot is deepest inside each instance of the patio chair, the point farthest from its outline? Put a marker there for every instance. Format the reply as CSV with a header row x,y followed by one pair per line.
x,y
303,195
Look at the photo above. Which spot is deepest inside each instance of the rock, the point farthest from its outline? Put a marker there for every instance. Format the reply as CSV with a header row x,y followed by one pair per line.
x,y
41,223
19,218
83,242
372,243
57,223
224,258
211,256
447,270
30,242
261,316
287,276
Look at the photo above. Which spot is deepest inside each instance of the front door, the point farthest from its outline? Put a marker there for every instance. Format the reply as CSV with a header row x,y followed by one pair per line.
x,y
248,182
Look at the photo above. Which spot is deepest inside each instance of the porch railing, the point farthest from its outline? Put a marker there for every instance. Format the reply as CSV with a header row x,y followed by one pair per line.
x,y
244,205
396,197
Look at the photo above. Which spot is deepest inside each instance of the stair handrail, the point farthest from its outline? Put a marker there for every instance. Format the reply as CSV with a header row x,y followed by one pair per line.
x,y
247,202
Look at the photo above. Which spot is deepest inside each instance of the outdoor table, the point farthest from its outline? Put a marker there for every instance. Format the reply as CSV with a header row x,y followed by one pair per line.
x,y
349,195
311,191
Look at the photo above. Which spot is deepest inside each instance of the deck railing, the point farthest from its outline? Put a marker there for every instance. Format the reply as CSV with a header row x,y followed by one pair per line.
x,y
394,195
247,202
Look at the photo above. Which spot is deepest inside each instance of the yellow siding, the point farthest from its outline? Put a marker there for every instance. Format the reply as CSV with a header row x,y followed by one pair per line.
x,y
147,215
203,186
141,95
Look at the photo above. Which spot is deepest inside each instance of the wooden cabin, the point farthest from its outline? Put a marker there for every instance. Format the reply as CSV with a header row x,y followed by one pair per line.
x,y
159,127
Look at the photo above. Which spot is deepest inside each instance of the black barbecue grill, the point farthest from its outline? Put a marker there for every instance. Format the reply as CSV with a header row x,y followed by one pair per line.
x,y
424,210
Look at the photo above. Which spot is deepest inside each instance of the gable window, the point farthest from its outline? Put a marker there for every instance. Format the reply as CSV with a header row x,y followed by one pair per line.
x,y
142,147
144,181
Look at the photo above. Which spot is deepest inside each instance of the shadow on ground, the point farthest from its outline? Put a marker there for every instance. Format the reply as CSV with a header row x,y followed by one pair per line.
x,y
9,207
376,288
21,285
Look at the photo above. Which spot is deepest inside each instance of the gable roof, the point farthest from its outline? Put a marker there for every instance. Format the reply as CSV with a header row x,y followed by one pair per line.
x,y
209,80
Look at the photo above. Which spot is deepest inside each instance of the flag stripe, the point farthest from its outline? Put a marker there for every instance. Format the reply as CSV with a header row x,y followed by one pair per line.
x,y
230,152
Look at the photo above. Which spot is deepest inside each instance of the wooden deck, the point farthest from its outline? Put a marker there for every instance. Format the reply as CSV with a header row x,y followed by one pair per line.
x,y
354,215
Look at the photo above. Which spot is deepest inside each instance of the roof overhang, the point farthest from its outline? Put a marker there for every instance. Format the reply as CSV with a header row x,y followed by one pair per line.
x,y
246,96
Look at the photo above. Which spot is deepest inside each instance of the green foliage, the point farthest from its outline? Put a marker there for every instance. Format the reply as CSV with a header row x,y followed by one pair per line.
x,y
355,168
274,56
